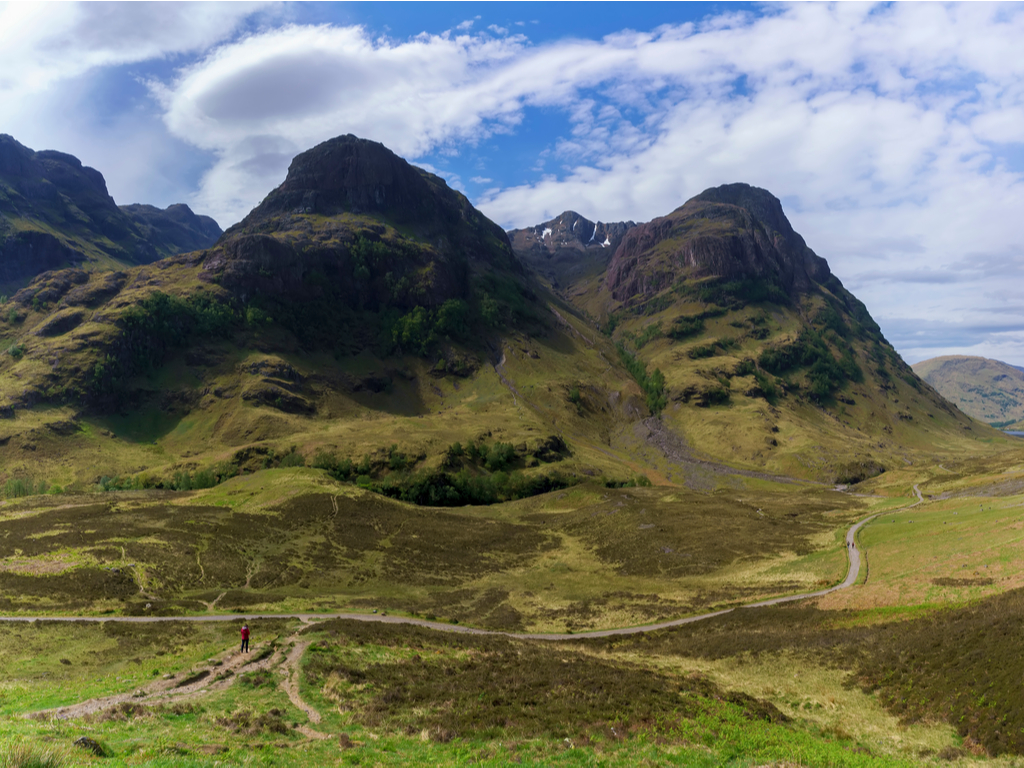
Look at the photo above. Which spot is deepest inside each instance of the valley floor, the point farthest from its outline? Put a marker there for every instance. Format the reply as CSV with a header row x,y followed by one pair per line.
x,y
916,662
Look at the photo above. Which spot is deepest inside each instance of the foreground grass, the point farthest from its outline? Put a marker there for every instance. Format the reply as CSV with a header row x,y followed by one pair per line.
x,y
399,695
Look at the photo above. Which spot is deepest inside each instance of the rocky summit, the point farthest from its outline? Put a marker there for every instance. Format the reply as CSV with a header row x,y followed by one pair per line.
x,y
735,232
56,212
568,246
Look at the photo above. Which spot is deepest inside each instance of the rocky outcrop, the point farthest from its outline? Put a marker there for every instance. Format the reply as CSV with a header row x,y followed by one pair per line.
x,y
349,175
56,212
735,232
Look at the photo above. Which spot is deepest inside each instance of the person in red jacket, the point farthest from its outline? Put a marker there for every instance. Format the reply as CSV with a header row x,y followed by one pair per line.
x,y
245,638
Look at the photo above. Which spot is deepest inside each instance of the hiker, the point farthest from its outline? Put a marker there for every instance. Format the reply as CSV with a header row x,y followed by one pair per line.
x,y
245,638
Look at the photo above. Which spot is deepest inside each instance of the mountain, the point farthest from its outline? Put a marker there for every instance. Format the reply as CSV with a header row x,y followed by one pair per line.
x,y
987,390
568,246
752,349
56,212
365,313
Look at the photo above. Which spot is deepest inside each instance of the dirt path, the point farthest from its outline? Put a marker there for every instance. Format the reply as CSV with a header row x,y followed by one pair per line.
x,y
290,684
214,674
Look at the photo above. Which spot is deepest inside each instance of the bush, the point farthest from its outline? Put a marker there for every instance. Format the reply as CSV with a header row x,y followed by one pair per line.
x,y
500,456
292,459
684,327
339,469
447,489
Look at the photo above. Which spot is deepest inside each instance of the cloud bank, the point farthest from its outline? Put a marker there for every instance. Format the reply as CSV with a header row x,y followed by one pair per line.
x,y
892,133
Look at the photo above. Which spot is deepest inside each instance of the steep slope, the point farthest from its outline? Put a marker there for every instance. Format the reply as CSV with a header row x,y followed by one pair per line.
x,y
987,390
56,212
568,247
762,356
174,229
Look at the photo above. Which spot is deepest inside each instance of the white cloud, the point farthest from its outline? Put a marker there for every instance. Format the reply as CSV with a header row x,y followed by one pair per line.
x,y
888,130
52,60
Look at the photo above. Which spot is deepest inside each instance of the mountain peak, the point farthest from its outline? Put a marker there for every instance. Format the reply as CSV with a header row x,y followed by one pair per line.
x,y
761,203
734,232
349,174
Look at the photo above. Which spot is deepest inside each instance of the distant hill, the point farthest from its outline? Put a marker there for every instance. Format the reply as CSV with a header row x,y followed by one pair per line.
x,y
56,212
987,390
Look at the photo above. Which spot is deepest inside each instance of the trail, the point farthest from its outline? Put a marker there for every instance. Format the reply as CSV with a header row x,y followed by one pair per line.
x,y
221,671
213,674
853,572
290,671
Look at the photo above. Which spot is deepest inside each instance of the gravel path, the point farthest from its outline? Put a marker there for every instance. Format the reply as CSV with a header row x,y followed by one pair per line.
x,y
851,578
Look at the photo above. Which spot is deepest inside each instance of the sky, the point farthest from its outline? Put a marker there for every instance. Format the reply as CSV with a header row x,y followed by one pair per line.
x,y
893,134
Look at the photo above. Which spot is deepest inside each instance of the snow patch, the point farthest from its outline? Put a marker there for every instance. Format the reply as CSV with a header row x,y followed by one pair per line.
x,y
593,235
606,242
546,232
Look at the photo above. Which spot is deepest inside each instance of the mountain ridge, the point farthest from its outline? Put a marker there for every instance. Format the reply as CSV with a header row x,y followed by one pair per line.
x,y
56,212
365,303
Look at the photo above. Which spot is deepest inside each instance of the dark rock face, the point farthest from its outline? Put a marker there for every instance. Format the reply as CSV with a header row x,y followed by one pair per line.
x,y
56,212
734,232
321,235
568,245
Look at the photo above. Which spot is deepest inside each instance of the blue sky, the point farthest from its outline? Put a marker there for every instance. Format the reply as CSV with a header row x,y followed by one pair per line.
x,y
893,133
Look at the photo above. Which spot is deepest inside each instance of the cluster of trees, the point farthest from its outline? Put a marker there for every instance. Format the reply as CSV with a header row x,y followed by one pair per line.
x,y
652,384
17,487
826,374
452,489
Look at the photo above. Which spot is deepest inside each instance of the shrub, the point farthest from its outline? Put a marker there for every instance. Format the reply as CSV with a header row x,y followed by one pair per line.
x,y
292,459
574,395
339,469
447,489
500,456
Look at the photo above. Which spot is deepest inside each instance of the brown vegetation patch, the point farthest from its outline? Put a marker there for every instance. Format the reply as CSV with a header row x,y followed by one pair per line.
x,y
248,722
946,581
486,687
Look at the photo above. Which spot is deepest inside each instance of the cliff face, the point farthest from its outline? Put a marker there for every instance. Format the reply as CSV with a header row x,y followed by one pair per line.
x,y
735,232
56,212
355,223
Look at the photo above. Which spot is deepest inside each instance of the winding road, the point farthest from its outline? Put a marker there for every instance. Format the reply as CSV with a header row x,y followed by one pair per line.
x,y
851,578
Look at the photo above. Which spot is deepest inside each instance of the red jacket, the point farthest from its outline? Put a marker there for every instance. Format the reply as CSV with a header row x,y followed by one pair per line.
x,y
245,633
